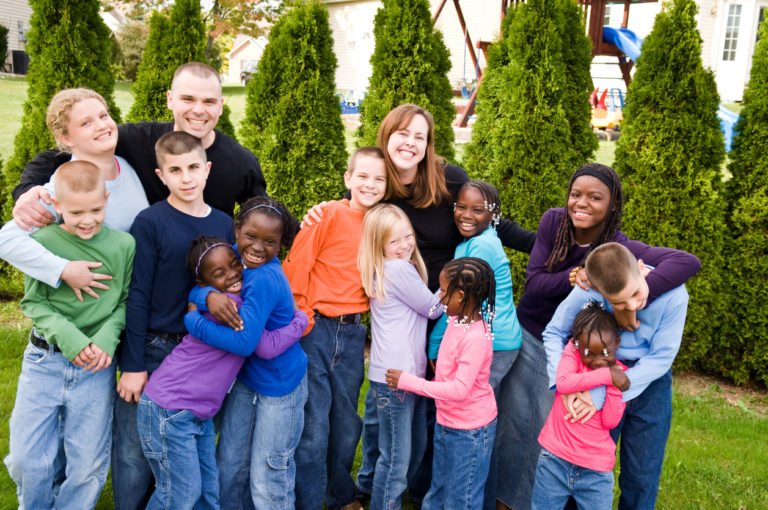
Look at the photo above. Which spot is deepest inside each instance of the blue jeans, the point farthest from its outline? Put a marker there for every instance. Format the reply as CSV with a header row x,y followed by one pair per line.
x,y
644,430
460,467
181,450
501,365
397,449
525,405
59,402
255,455
557,480
132,481
332,428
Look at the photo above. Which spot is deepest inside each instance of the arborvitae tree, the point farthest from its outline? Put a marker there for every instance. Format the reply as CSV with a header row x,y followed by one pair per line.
x,y
173,41
292,116
3,44
410,62
744,346
669,157
577,56
68,47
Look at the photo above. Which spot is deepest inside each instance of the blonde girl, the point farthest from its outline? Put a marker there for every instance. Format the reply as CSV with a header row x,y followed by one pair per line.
x,y
394,278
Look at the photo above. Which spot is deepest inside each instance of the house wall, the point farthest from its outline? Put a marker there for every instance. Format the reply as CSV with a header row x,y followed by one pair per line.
x,y
15,16
249,51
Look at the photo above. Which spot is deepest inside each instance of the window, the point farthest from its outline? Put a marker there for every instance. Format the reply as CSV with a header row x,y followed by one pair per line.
x,y
760,21
732,32
607,16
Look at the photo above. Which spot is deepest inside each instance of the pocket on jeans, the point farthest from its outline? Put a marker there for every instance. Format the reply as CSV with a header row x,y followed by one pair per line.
x,y
280,461
35,355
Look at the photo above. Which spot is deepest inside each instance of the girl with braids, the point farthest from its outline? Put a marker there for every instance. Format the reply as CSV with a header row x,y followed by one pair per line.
x,y
466,407
178,404
263,414
589,361
592,216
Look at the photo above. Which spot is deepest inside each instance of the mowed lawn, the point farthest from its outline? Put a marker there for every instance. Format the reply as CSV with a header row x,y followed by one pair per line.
x,y
716,456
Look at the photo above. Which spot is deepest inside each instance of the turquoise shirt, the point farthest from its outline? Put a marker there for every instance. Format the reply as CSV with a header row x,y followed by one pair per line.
x,y
507,335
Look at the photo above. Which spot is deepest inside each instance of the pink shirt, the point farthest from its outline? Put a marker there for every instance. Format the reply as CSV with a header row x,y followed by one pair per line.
x,y
588,444
463,397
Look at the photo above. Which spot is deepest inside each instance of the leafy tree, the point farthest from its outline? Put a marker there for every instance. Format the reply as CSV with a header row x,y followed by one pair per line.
x,y
292,117
744,347
3,44
68,47
132,39
410,62
173,41
669,156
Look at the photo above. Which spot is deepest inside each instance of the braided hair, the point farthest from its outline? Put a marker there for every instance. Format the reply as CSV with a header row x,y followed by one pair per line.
x,y
566,232
272,208
593,318
475,278
490,195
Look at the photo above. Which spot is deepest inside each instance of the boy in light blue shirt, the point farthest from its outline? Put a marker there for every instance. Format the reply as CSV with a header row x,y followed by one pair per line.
x,y
619,282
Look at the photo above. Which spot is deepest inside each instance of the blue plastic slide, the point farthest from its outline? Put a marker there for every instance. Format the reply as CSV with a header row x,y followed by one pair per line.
x,y
624,39
728,120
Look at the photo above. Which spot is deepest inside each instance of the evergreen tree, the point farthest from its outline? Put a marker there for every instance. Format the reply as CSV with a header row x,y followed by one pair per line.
x,y
292,117
669,157
410,62
68,47
744,347
173,41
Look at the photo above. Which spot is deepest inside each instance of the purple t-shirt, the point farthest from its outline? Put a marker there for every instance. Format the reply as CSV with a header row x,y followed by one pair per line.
x,y
195,376
545,290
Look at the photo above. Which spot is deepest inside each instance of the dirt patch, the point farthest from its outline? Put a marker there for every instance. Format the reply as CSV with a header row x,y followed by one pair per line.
x,y
754,399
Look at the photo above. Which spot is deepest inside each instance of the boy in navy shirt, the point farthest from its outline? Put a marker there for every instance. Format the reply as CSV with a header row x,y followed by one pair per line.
x,y
157,300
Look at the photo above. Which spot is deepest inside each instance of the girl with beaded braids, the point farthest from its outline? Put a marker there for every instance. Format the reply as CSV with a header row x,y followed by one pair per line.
x,y
589,361
176,410
466,407
592,216
263,415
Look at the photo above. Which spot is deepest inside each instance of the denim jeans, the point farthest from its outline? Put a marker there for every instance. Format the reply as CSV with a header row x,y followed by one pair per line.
x,y
501,365
644,431
460,467
132,481
332,426
400,423
181,450
60,403
525,405
255,455
557,480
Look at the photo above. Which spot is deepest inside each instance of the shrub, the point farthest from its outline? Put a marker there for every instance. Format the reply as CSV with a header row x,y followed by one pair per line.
x,y
292,116
410,62
743,353
3,44
669,157
68,47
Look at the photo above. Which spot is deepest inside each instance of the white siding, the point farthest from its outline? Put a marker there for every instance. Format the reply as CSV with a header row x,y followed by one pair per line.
x,y
15,14
352,26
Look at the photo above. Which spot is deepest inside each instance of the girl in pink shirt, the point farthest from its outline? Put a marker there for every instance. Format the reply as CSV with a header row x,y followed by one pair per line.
x,y
576,458
466,407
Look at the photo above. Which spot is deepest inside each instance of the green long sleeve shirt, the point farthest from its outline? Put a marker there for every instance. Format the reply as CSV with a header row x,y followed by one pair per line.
x,y
56,313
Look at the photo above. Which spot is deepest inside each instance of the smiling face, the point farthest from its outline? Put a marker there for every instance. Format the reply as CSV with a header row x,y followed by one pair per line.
x,y
634,295
258,238
196,104
407,146
592,351
90,130
471,213
185,175
588,204
401,243
82,212
222,270
367,182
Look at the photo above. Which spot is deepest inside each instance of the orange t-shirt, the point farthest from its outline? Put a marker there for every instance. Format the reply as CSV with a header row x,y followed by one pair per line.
x,y
322,264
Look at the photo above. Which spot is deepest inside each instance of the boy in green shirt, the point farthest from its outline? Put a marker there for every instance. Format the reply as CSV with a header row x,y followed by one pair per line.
x,y
67,381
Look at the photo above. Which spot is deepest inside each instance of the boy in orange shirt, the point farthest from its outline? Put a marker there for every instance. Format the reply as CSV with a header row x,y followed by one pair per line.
x,y
326,283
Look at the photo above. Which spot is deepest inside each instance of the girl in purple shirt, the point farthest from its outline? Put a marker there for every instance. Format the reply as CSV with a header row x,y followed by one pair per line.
x,y
182,396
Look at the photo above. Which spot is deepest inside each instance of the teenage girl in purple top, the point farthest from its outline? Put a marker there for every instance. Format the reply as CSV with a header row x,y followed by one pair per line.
x,y
591,217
